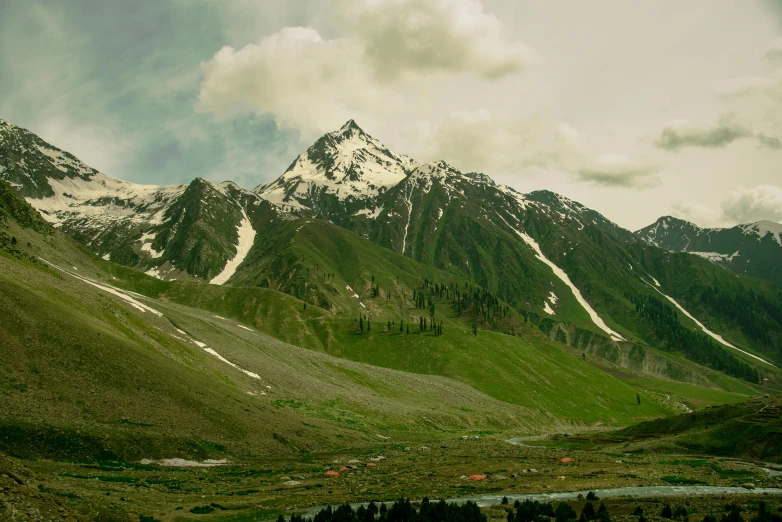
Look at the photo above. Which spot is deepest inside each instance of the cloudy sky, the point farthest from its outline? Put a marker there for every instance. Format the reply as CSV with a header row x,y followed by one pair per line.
x,y
636,109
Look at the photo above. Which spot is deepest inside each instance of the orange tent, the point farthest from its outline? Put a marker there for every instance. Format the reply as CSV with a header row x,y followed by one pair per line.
x,y
566,460
371,465
477,477
331,474
344,468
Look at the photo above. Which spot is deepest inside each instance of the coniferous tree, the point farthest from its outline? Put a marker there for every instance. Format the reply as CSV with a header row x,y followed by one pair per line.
x,y
589,512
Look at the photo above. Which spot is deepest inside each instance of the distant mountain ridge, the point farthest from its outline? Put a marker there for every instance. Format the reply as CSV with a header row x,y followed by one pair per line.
x,y
346,167
753,249
540,254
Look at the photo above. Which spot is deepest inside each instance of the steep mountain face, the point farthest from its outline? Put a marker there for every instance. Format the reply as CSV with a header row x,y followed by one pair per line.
x,y
543,254
539,257
30,164
753,249
340,178
566,207
176,231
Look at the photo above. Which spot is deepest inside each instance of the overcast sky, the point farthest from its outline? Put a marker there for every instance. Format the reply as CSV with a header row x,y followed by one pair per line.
x,y
636,109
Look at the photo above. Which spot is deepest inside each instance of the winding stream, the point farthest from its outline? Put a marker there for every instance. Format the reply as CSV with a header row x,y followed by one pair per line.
x,y
631,491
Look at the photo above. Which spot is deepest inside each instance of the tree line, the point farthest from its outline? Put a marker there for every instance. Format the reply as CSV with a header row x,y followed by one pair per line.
x,y
757,315
696,345
400,511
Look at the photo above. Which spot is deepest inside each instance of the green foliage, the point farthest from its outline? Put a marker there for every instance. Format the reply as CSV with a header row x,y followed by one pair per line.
x,y
564,512
531,511
759,316
14,208
588,512
695,344
400,511
681,480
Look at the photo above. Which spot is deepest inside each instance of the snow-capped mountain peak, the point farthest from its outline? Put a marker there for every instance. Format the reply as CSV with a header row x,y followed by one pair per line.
x,y
348,164
763,228
744,248
435,170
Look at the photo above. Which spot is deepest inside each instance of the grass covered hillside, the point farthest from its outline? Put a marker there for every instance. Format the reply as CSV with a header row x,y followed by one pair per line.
x,y
89,371
88,360
526,369
748,430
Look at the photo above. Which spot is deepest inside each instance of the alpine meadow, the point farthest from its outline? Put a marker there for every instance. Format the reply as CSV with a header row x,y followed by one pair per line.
x,y
415,320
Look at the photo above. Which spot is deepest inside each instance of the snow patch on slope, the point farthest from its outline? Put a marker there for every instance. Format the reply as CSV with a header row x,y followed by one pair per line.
x,y
109,289
370,213
705,330
715,257
229,363
761,228
576,292
210,351
100,200
347,163
146,245
182,463
246,234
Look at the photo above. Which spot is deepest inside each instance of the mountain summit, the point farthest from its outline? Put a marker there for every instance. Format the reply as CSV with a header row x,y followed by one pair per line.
x,y
752,249
347,166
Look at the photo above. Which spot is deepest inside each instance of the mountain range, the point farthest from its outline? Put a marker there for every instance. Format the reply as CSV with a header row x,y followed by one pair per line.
x,y
753,249
360,232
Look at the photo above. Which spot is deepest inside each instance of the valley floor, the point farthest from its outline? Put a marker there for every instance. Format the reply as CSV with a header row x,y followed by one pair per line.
x,y
261,489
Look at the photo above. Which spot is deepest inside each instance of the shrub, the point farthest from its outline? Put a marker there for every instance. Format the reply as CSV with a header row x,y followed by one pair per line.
x,y
589,511
680,513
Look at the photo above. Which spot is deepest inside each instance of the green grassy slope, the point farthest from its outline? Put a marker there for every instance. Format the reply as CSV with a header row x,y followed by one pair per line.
x,y
526,369
746,430
325,264
115,380
85,375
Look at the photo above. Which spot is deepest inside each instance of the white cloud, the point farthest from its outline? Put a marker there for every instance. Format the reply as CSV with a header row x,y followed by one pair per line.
x,y
746,205
496,143
774,51
697,213
306,82
96,146
422,37
680,134
488,141
389,53
618,170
